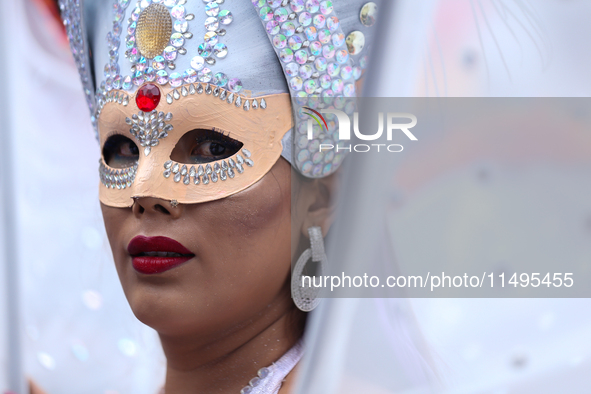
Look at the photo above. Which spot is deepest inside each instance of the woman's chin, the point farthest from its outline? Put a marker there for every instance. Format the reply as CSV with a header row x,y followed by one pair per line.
x,y
162,312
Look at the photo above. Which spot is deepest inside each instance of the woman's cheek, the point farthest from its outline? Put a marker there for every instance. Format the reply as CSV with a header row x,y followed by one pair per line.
x,y
262,209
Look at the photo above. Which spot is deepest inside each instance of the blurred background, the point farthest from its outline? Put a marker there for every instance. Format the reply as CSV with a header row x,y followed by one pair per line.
x,y
78,333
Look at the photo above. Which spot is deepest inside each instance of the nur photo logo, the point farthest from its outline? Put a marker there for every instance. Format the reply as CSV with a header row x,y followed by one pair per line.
x,y
395,122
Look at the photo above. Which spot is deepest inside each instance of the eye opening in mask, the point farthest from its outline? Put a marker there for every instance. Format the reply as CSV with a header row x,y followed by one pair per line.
x,y
120,151
204,146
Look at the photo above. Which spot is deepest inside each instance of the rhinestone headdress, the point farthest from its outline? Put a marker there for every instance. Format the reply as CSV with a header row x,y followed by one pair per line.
x,y
308,48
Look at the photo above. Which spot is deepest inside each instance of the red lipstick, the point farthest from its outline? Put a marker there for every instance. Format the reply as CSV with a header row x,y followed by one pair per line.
x,y
153,255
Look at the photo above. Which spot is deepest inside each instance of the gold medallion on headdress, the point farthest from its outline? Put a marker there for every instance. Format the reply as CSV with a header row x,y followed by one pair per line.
x,y
153,30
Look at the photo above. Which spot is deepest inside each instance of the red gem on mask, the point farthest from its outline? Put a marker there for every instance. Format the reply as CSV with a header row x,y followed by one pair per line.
x,y
148,97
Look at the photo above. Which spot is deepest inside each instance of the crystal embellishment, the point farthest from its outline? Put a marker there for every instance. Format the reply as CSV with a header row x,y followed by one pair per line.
x,y
212,172
149,127
120,178
148,97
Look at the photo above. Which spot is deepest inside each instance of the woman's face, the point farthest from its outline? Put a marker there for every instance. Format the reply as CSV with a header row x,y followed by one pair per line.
x,y
239,262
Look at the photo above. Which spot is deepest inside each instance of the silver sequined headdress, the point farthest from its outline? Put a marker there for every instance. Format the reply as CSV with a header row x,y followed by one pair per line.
x,y
239,49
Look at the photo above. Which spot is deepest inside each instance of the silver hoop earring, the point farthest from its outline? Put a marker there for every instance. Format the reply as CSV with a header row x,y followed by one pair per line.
x,y
303,291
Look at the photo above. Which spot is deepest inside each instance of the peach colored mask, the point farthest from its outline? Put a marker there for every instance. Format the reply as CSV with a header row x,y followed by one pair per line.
x,y
260,130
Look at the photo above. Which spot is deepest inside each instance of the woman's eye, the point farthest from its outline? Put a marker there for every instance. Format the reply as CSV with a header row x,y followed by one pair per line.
x,y
204,146
209,148
120,152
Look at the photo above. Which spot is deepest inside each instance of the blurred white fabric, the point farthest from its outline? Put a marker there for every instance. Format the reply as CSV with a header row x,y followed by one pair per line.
x,y
469,48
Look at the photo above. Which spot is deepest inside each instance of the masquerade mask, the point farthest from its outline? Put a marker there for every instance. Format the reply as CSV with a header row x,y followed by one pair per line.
x,y
169,108
201,147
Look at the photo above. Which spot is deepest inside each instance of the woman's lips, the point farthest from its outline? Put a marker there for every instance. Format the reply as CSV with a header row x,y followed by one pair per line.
x,y
153,255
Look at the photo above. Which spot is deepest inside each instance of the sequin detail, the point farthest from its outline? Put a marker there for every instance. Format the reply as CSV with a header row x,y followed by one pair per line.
x,y
368,13
315,57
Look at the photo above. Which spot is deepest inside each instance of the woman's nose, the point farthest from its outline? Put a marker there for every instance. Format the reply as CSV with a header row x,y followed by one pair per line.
x,y
156,206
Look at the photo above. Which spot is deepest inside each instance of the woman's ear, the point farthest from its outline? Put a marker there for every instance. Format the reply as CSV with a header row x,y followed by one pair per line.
x,y
320,203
